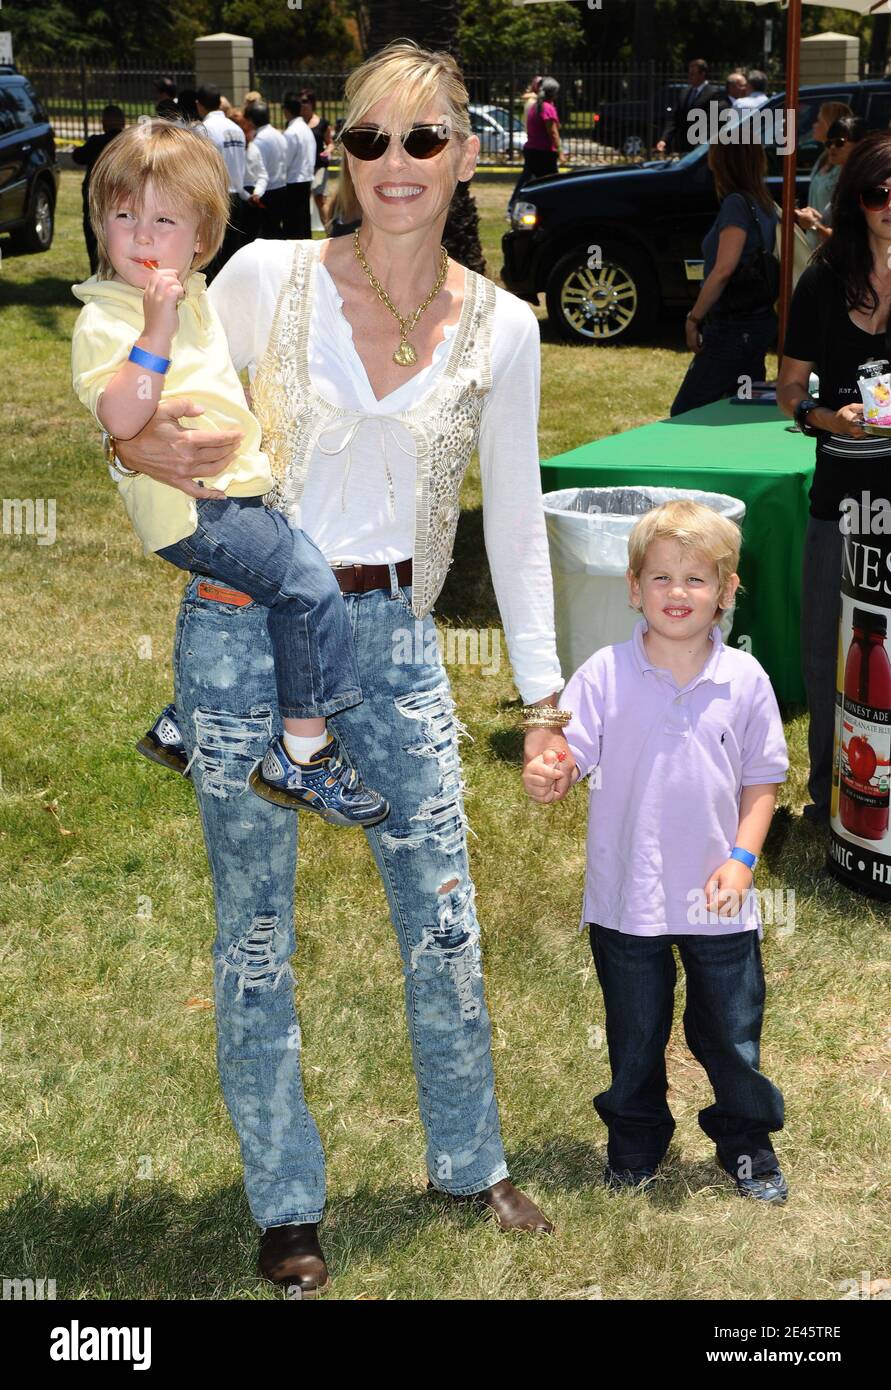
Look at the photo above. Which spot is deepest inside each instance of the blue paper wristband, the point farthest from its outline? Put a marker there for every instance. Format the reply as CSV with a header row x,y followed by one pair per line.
x,y
149,359
745,856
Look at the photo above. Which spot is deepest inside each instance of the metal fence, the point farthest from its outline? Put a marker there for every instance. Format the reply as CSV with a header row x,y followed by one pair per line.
x,y
607,113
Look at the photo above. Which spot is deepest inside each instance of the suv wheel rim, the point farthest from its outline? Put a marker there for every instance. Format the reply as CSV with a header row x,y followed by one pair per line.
x,y
43,218
599,303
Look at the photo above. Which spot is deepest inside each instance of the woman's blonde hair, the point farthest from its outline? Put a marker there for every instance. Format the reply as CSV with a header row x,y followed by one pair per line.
x,y
695,528
833,111
185,168
411,77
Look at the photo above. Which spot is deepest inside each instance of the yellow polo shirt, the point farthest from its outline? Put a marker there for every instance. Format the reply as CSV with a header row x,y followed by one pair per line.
x,y
200,368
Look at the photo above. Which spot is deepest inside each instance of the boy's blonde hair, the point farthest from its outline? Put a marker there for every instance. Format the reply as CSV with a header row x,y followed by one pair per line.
x,y
412,77
695,528
185,167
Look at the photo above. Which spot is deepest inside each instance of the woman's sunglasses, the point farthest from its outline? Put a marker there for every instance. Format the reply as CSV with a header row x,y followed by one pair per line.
x,y
370,142
836,142
876,198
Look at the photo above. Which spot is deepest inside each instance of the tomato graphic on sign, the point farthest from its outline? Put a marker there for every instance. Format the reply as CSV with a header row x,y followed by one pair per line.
x,y
862,759
866,729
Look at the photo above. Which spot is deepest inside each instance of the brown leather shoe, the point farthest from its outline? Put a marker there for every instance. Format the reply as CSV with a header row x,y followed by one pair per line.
x,y
292,1255
513,1209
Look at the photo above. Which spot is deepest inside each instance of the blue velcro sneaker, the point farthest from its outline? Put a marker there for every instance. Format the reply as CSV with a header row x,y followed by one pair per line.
x,y
326,785
164,743
766,1187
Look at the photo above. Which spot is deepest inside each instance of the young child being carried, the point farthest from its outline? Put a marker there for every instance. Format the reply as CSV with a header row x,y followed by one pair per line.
x,y
685,739
159,202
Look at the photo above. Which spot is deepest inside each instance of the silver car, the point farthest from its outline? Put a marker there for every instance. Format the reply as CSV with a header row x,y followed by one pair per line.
x,y
493,125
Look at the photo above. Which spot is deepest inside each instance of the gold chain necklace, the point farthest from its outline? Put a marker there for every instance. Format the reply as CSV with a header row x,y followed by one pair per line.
x,y
405,354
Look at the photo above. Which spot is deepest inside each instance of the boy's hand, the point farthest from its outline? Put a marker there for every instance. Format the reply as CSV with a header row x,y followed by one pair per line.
x,y
547,778
727,887
160,298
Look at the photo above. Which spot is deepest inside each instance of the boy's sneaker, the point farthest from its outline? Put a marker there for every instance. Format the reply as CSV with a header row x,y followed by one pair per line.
x,y
164,743
326,785
620,1179
766,1187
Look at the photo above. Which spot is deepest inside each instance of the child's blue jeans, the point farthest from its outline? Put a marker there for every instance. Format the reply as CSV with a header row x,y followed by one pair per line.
x,y
241,542
722,1025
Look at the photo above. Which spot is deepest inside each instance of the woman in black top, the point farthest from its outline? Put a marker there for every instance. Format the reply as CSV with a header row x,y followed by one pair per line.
x,y
730,328
837,321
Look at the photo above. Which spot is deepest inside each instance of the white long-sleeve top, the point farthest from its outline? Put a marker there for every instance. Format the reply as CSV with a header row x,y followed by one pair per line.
x,y
274,149
255,175
229,140
302,152
345,506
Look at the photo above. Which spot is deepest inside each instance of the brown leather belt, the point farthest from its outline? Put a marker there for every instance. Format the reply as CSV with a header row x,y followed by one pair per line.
x,y
358,579
353,579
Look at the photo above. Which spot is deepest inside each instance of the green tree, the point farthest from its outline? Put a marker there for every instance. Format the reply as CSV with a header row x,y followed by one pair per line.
x,y
492,31
433,23
314,35
53,31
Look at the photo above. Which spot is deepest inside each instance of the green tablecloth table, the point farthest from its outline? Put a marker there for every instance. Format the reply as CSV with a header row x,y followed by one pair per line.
x,y
748,452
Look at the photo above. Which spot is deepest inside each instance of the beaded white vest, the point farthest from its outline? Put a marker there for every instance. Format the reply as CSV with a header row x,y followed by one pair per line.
x,y
444,425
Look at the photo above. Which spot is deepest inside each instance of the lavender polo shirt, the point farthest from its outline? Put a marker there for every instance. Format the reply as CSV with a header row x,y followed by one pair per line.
x,y
668,765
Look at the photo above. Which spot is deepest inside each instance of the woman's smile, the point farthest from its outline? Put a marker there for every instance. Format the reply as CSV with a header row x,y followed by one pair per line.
x,y
388,192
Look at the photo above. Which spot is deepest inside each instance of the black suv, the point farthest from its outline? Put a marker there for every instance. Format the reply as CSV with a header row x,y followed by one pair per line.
x,y
611,247
29,173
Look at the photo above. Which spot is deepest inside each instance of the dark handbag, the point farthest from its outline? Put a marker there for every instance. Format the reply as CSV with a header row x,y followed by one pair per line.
x,y
755,284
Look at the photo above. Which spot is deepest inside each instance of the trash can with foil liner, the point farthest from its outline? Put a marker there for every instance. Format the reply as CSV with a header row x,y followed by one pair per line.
x,y
860,833
588,530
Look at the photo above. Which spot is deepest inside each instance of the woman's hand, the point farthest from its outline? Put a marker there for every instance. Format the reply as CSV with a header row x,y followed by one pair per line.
x,y
169,453
808,219
847,421
693,334
548,765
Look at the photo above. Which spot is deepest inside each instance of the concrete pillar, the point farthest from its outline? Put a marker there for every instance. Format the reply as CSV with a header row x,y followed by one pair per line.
x,y
223,60
829,58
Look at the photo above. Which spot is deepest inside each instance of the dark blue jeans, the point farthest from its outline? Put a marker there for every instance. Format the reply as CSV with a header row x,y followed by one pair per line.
x,y
729,350
241,542
722,1025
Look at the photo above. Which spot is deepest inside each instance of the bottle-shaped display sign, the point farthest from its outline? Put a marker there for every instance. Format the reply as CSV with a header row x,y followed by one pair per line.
x,y
865,762
839,721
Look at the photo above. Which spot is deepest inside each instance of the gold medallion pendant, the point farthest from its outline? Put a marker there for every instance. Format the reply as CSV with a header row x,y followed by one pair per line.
x,y
405,354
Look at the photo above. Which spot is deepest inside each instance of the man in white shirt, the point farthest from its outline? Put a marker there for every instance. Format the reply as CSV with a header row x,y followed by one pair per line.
x,y
756,92
301,164
253,208
273,149
230,141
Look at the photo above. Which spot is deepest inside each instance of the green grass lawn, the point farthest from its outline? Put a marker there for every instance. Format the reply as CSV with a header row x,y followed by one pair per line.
x,y
119,1169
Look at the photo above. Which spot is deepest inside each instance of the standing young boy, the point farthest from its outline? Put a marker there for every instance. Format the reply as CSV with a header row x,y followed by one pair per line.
x,y
688,744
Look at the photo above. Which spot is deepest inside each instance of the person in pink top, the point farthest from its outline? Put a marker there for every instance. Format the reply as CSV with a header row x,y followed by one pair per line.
x,y
683,741
541,152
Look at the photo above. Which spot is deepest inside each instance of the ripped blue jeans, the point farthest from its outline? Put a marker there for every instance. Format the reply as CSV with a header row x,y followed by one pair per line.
x,y
403,738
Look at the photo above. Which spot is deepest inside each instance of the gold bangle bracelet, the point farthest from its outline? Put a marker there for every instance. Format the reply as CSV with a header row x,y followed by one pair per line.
x,y
547,716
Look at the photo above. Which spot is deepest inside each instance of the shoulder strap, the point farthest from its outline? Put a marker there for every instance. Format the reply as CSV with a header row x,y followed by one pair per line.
x,y
751,206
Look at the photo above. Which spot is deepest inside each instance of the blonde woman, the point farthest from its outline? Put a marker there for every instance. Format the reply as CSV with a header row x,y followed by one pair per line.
x,y
824,175
377,366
